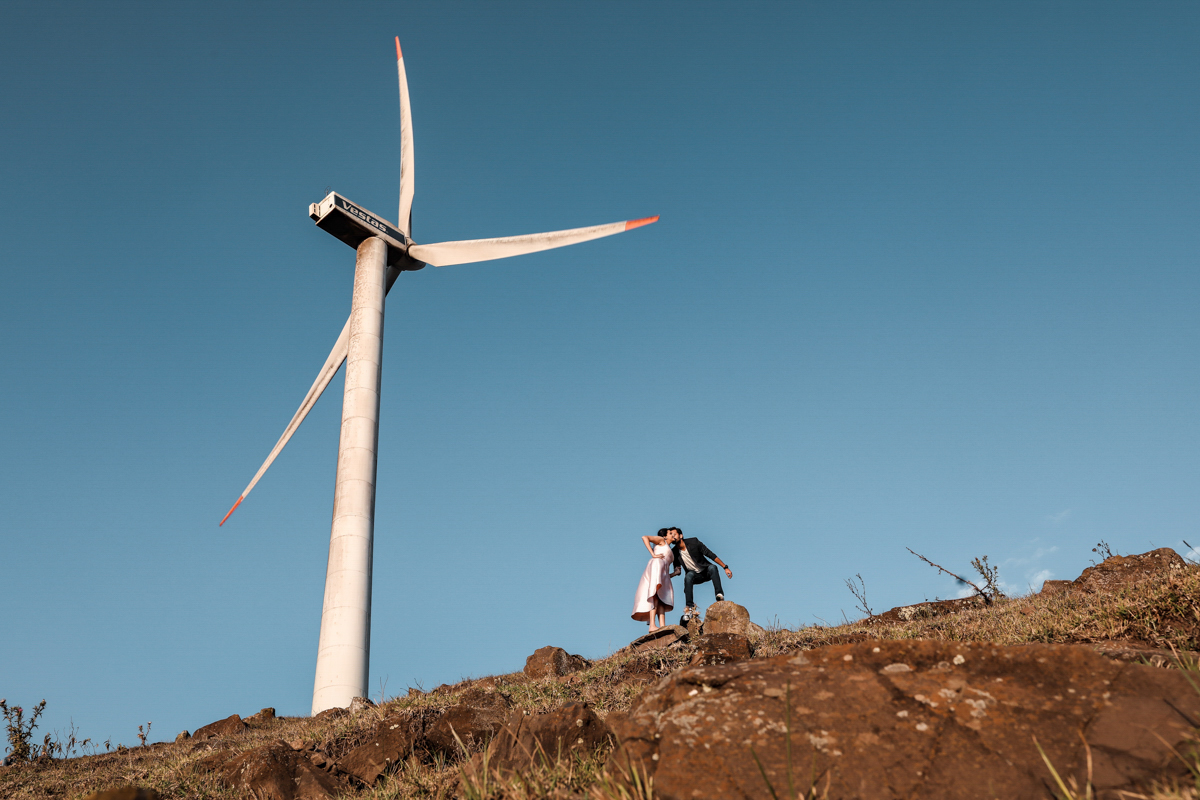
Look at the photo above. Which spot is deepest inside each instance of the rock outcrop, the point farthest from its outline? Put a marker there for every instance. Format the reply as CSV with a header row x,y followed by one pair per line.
x,y
528,739
1118,571
359,705
277,772
550,662
232,724
264,717
721,648
908,718
726,617
929,609
392,741
663,637
472,722
1115,572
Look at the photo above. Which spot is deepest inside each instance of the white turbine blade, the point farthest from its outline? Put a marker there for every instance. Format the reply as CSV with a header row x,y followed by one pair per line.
x,y
445,254
332,364
336,356
407,186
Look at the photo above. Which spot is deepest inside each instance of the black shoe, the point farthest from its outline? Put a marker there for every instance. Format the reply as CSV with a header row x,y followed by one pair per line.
x,y
720,597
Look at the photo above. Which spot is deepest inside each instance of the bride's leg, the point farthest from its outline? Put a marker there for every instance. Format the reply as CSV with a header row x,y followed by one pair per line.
x,y
654,615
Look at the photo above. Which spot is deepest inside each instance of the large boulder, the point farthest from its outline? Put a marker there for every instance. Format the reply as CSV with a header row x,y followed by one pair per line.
x,y
471,723
391,743
721,648
528,739
929,719
726,617
277,772
223,727
1118,571
549,662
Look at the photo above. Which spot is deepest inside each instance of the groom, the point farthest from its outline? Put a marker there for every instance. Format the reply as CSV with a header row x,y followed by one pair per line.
x,y
692,557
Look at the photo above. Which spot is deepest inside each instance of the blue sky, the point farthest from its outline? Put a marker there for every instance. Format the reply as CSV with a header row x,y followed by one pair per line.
x,y
925,277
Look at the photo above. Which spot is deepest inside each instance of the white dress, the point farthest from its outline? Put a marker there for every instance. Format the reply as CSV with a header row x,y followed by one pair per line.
x,y
656,580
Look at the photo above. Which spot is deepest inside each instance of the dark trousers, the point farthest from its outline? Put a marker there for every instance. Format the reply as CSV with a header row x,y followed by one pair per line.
x,y
703,576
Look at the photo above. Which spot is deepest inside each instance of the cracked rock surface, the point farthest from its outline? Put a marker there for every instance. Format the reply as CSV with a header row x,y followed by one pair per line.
x,y
549,662
1119,571
276,772
914,718
528,739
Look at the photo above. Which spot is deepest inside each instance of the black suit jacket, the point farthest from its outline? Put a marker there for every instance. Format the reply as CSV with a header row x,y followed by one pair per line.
x,y
698,552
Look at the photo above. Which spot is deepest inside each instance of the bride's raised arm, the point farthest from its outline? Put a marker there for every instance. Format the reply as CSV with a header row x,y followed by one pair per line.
x,y
650,541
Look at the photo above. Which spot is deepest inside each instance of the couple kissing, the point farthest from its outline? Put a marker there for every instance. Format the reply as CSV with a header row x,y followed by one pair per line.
x,y
655,594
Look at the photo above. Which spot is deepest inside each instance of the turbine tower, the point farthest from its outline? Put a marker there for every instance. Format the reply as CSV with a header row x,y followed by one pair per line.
x,y
383,251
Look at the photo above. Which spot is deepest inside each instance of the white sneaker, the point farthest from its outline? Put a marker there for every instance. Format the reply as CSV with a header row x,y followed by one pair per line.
x,y
720,597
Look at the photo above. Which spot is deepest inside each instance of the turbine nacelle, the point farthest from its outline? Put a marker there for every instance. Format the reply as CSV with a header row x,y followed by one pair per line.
x,y
353,224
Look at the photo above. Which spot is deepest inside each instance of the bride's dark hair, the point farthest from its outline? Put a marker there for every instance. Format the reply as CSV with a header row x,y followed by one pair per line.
x,y
663,532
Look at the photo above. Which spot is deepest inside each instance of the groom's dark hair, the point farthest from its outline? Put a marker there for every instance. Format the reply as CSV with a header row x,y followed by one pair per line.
x,y
678,530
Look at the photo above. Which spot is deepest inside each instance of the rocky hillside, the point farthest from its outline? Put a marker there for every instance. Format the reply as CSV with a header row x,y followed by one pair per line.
x,y
1087,689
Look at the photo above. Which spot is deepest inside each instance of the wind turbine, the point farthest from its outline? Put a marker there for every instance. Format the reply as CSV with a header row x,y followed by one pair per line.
x,y
384,251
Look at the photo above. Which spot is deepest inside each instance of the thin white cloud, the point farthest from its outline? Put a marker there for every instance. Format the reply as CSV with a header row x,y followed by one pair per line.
x,y
1033,558
1031,569
1040,577
1060,517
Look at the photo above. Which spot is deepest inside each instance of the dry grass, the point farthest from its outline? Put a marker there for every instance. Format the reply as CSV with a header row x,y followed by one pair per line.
x,y
610,684
1159,613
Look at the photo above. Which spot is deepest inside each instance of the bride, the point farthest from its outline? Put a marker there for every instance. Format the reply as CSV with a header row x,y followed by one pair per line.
x,y
655,595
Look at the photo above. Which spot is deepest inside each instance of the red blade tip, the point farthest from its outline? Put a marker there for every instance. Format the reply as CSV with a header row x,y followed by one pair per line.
x,y
637,223
399,55
235,505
